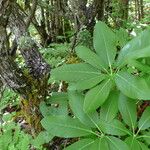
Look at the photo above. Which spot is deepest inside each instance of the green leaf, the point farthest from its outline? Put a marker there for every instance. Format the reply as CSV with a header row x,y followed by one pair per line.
x,y
89,144
23,143
44,109
100,144
144,122
133,143
146,136
116,144
76,101
87,83
97,96
133,87
58,103
75,72
65,126
115,127
55,108
127,108
83,144
42,138
122,36
105,44
109,109
140,66
90,57
143,146
138,46
57,97
140,53
6,139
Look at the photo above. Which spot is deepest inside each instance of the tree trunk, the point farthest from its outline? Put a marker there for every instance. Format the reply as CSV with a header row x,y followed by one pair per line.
x,y
123,12
31,85
99,5
142,8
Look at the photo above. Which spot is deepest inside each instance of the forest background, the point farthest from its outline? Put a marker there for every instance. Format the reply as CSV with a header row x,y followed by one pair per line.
x,y
37,36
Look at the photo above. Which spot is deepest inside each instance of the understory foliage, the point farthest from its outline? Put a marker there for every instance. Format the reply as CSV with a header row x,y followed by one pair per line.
x,y
104,92
74,75
100,106
100,109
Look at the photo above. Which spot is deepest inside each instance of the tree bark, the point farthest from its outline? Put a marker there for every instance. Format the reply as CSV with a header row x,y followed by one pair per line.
x,y
99,6
32,86
142,8
122,13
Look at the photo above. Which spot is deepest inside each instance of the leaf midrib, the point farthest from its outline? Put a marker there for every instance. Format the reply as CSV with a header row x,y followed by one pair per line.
x,y
129,83
87,72
87,145
144,123
106,48
116,127
99,92
108,111
113,143
68,126
132,124
85,79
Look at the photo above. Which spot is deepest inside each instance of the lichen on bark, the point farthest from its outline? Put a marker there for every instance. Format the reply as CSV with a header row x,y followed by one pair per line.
x,y
25,42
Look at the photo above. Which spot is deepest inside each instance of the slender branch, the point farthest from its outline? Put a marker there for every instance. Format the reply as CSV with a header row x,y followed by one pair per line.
x,y
33,9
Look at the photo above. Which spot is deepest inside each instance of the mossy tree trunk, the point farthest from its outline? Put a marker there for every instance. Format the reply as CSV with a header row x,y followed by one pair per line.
x,y
32,84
